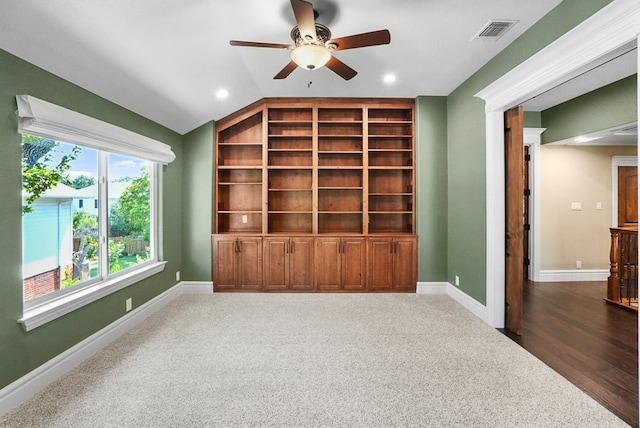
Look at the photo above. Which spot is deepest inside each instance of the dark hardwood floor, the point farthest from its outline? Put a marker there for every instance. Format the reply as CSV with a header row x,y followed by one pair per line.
x,y
593,344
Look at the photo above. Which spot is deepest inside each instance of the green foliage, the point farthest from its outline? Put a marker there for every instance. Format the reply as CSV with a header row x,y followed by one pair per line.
x,y
83,181
85,226
118,224
131,214
115,252
68,279
147,256
38,173
81,219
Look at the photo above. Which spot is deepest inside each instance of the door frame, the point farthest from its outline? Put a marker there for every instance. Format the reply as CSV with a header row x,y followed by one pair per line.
x,y
617,161
595,40
533,138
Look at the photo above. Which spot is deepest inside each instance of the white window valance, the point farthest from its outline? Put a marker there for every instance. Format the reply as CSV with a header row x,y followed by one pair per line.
x,y
44,119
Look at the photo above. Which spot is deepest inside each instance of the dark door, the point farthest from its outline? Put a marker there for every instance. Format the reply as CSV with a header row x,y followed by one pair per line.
x,y
627,196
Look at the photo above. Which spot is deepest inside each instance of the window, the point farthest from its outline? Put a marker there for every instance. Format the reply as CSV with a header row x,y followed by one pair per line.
x,y
75,252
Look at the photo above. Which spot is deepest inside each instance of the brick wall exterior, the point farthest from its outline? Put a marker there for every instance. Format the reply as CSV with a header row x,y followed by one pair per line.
x,y
41,284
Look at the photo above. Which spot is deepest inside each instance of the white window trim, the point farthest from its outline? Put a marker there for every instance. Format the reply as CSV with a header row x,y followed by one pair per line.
x,y
44,119
42,314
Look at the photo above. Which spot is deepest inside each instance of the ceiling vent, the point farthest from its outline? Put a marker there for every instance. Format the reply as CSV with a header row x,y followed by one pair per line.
x,y
494,29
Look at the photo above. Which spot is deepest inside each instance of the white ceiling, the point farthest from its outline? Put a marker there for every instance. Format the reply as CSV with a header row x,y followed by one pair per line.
x,y
166,59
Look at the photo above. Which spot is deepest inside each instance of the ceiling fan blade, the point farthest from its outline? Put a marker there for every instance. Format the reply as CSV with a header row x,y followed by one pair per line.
x,y
303,10
286,70
259,44
341,69
374,38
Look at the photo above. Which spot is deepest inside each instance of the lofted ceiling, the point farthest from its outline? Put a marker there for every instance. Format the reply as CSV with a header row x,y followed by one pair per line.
x,y
166,59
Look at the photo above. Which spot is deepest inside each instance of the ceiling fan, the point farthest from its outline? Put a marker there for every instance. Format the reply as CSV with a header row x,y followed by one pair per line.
x,y
314,46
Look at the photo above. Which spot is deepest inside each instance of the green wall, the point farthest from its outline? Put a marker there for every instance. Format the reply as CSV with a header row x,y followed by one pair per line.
x,y
197,199
24,351
532,119
467,145
606,107
431,187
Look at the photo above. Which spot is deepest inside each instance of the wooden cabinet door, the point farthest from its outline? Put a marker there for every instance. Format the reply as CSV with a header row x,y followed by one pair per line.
x,y
276,263
328,264
250,263
301,264
380,274
354,262
404,264
225,266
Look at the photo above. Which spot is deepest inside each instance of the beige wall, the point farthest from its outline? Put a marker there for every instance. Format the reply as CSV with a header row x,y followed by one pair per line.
x,y
575,174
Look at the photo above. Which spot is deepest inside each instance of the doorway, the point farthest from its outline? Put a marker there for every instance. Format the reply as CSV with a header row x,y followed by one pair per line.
x,y
595,41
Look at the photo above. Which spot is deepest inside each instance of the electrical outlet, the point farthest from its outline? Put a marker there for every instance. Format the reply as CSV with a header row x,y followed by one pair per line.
x,y
578,264
178,275
128,304
457,281
245,219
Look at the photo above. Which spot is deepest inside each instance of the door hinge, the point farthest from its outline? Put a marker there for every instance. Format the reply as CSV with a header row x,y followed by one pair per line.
x,y
527,158
527,192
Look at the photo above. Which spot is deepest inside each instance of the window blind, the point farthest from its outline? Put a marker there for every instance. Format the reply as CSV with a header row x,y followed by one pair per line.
x,y
44,119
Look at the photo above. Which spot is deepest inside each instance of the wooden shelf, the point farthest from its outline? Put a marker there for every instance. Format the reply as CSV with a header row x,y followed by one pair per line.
x,y
290,114
317,167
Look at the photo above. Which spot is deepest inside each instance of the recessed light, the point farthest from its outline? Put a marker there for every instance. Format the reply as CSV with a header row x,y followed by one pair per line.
x,y
222,94
389,78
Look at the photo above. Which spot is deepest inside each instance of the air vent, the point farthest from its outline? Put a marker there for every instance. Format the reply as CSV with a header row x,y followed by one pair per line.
x,y
494,29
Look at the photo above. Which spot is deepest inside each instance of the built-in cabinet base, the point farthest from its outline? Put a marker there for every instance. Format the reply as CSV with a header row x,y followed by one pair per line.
x,y
315,263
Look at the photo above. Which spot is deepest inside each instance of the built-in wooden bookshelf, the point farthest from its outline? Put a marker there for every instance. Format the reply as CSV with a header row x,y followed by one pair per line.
x,y
290,170
317,168
239,177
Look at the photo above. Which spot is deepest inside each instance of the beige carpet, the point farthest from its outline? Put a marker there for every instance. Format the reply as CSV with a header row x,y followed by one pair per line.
x,y
301,360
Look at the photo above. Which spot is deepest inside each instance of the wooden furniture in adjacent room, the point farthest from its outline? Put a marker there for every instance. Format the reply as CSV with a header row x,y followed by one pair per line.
x,y
325,188
622,285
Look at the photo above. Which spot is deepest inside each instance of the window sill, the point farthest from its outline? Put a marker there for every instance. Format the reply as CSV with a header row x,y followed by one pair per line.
x,y
42,314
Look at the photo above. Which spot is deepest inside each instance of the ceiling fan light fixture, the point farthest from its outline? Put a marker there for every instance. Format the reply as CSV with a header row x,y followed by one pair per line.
x,y
310,56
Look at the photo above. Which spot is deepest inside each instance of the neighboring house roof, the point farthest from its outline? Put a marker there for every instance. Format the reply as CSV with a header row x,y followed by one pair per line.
x,y
115,189
62,191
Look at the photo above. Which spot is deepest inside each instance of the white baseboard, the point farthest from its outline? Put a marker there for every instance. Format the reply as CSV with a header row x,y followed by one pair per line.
x,y
468,302
22,389
431,288
197,287
573,275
